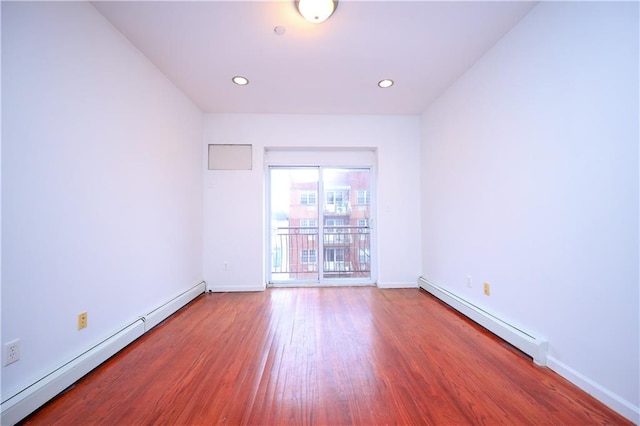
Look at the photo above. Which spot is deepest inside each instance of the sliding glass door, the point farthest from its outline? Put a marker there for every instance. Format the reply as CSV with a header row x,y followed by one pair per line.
x,y
320,225
294,224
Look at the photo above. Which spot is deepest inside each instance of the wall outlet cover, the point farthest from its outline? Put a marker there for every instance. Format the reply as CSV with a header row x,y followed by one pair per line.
x,y
11,352
82,321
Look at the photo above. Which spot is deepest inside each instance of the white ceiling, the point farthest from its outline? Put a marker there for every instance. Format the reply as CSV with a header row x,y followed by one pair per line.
x,y
328,68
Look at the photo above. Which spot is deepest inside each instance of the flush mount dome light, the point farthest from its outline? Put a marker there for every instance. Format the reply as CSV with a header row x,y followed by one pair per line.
x,y
385,83
316,11
240,81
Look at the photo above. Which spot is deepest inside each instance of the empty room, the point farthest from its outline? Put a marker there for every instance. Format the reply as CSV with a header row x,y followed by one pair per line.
x,y
373,212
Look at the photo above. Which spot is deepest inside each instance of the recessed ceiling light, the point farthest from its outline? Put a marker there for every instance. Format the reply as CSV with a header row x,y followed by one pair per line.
x,y
240,81
385,83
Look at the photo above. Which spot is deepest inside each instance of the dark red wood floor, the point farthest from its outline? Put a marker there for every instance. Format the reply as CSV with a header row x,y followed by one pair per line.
x,y
325,356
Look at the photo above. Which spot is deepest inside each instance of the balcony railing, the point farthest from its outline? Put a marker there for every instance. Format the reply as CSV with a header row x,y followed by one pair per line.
x,y
346,252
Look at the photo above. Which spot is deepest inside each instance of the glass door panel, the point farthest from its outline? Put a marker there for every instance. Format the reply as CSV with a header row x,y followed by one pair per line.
x,y
294,224
346,220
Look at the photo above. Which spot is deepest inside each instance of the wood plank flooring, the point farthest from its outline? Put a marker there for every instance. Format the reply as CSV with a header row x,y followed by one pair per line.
x,y
325,356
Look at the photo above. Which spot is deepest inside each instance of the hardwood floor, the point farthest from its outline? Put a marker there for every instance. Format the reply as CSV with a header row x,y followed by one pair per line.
x,y
326,356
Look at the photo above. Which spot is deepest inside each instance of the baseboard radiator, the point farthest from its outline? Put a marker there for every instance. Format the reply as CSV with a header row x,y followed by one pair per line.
x,y
37,394
163,312
536,348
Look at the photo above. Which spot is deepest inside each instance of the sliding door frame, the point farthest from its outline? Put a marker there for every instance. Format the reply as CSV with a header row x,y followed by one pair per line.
x,y
321,280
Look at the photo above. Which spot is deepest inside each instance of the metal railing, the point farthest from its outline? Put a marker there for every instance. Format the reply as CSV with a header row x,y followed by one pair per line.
x,y
346,252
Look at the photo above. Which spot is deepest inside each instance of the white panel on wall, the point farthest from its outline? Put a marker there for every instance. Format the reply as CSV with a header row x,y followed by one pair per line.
x,y
329,156
230,157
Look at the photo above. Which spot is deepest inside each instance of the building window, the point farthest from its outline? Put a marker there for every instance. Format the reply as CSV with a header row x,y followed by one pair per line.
x,y
330,198
335,235
337,198
364,197
363,229
330,222
308,226
334,255
337,201
309,256
308,197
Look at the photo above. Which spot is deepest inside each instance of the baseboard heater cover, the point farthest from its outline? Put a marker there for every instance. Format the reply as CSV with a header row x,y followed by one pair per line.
x,y
31,398
164,311
532,346
37,394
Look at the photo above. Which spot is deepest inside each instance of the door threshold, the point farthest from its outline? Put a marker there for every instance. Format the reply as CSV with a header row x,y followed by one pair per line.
x,y
321,285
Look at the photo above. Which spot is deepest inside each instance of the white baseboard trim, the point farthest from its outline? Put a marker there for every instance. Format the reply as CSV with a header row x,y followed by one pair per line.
x,y
231,289
25,402
384,284
615,402
535,347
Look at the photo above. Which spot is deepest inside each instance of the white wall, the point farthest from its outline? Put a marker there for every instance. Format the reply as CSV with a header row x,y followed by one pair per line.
x,y
530,183
234,225
101,185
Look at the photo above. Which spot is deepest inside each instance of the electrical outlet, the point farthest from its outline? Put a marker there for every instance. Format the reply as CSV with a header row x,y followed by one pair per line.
x,y
487,289
469,281
82,321
12,352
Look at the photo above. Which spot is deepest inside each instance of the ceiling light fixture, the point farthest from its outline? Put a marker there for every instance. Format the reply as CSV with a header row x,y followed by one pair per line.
x,y
316,11
240,81
385,83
